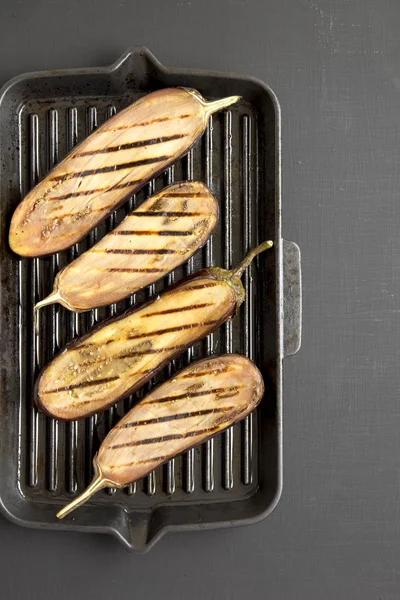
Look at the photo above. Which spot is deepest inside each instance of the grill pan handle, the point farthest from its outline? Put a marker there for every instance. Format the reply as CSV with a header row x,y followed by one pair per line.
x,y
291,298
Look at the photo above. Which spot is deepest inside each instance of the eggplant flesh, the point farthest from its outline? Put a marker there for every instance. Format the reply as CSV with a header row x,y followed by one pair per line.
x,y
116,358
196,404
110,363
112,164
154,239
200,401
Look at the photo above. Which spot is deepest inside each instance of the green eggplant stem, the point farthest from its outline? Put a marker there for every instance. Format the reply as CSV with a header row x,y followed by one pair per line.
x,y
238,271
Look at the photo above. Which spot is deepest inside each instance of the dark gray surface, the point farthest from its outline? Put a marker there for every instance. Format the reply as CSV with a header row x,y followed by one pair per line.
x,y
335,66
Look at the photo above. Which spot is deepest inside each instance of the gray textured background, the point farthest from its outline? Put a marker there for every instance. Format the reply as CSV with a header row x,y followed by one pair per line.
x,y
335,66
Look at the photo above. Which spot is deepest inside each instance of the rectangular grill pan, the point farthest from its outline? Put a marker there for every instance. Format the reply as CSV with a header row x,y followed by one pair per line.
x,y
235,478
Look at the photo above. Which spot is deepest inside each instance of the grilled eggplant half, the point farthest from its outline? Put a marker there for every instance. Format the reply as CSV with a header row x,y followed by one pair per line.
x,y
149,243
197,403
113,163
118,357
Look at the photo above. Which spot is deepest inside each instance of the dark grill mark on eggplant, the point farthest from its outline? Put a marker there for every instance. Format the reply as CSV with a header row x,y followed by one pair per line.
x,y
75,194
187,415
84,348
103,190
109,169
169,311
143,232
176,233
82,384
128,146
130,270
205,373
134,251
166,438
197,287
194,387
228,394
76,216
145,352
151,213
172,329
140,462
234,390
144,123
130,354
185,195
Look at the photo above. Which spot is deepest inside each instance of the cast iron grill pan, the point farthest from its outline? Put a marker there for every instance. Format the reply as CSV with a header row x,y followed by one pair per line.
x,y
235,476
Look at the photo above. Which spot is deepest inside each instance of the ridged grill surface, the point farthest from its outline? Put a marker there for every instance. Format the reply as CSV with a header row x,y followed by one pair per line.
x,y
57,461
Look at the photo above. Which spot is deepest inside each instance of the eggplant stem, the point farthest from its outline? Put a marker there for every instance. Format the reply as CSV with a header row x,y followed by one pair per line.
x,y
51,299
238,271
99,482
213,107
